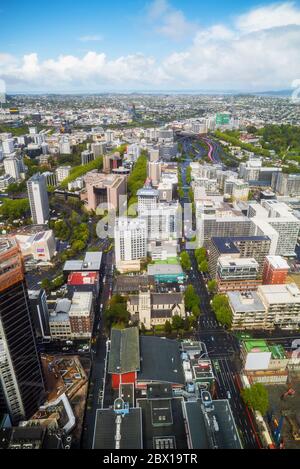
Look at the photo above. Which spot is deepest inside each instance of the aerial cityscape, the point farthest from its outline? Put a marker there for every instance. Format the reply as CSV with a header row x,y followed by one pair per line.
x,y
150,227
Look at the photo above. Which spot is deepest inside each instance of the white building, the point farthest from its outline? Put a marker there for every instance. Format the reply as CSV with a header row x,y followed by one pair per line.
x,y
39,246
130,242
63,172
12,167
38,199
65,146
147,198
8,146
5,181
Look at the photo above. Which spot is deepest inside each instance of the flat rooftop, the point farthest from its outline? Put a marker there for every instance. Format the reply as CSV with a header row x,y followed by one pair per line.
x,y
240,262
280,294
165,269
278,262
245,302
204,433
106,428
124,355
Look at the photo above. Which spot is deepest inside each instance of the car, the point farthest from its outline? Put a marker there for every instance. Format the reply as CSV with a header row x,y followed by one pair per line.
x,y
228,395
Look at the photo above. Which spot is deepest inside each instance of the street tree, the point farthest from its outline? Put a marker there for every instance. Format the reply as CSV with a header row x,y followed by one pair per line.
x,y
256,397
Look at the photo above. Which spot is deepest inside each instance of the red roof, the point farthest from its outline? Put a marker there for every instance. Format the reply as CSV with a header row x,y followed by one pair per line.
x,y
83,278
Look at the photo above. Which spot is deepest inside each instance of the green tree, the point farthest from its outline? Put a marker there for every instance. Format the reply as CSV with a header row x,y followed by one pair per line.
x,y
203,267
116,312
14,209
46,285
185,261
201,255
256,398
212,286
191,300
177,323
221,308
168,328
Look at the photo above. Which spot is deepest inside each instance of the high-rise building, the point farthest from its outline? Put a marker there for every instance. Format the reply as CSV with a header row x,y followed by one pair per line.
x,y
276,270
287,184
12,167
130,240
147,198
21,380
39,312
8,146
87,156
38,199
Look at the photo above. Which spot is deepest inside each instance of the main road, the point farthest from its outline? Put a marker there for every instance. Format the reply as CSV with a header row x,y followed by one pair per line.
x,y
223,347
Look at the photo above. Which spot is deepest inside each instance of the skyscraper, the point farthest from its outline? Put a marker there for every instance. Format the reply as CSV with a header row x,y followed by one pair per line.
x,y
21,381
38,199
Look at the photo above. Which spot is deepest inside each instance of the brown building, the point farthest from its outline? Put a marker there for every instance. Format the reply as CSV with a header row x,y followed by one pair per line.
x,y
275,271
104,189
111,162
236,274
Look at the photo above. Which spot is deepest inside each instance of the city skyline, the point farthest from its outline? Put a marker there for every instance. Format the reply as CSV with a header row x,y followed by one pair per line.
x,y
150,46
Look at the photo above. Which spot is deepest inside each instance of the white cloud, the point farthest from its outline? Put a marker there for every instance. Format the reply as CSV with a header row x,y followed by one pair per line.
x,y
91,38
169,21
219,57
270,16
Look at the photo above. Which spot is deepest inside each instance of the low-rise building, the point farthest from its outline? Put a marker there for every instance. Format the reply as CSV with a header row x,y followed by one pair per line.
x,y
237,274
153,309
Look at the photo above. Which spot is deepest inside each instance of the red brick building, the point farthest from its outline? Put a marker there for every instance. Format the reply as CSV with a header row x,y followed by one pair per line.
x,y
275,271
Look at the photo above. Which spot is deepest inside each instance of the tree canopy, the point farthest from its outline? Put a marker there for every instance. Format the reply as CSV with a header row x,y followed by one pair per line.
x,y
221,308
256,397
185,261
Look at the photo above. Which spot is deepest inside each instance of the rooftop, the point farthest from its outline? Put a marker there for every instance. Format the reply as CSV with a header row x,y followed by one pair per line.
x,y
165,269
160,361
106,430
83,278
280,294
124,356
278,262
245,302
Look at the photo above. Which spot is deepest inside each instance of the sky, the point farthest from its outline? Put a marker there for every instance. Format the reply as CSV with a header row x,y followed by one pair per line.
x,y
137,45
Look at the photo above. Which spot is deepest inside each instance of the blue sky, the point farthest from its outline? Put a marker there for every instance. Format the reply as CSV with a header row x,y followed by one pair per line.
x,y
159,44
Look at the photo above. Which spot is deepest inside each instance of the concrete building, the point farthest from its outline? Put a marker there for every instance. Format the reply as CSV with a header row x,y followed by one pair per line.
x,y
63,172
270,307
39,313
152,309
276,220
237,247
220,220
111,162
130,243
38,199
102,189
65,146
98,149
163,222
275,271
8,146
154,170
86,157
12,167
40,246
287,184
5,181
237,274
166,192
51,178
147,198
256,174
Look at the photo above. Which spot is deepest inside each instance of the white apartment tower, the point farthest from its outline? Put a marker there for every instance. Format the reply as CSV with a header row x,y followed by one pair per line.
x,y
130,240
38,199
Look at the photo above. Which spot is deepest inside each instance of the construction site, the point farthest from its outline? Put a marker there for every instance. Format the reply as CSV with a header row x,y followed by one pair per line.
x,y
68,376
283,417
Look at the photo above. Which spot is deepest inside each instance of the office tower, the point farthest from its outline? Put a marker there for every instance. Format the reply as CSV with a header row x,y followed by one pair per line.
x,y
287,184
164,222
98,149
130,240
65,146
87,156
104,189
12,167
147,198
153,155
21,381
277,221
276,270
111,162
38,199
8,146
257,247
154,170
39,312
109,136
220,220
